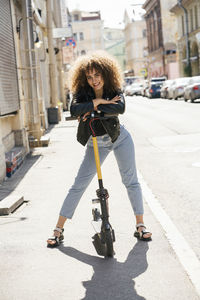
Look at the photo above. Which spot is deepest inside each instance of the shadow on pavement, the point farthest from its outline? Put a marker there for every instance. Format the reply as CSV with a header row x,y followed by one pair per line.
x,y
112,279
10,219
10,184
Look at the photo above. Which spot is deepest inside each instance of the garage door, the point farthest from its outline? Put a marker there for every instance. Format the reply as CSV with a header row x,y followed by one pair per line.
x,y
9,96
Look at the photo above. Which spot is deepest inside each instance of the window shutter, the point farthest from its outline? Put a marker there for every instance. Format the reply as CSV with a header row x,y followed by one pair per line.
x,y
9,95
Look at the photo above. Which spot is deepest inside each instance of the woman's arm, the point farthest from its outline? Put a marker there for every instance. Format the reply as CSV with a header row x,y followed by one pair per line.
x,y
80,108
117,108
113,106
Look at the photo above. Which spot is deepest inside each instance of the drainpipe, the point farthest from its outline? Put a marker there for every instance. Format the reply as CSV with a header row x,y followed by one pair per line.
x,y
52,61
33,118
186,38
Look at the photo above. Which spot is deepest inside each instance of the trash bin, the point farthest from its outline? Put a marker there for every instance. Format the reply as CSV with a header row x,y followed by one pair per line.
x,y
53,117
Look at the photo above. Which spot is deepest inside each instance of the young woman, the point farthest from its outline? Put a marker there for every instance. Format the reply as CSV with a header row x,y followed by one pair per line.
x,y
96,86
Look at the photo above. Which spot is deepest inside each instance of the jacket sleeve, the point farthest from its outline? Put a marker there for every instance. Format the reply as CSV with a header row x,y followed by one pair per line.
x,y
79,108
118,108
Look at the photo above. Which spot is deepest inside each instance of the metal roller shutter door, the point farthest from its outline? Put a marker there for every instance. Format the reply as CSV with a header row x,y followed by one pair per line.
x,y
9,96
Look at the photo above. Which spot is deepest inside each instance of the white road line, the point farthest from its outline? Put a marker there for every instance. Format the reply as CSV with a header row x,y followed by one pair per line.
x,y
185,254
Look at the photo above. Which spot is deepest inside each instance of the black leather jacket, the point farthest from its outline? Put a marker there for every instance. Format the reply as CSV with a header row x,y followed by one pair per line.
x,y
82,103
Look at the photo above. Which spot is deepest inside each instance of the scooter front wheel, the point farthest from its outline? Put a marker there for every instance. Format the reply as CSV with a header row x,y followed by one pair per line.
x,y
109,243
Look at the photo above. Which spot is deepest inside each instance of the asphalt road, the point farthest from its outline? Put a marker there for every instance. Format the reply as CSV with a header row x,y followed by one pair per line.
x,y
167,140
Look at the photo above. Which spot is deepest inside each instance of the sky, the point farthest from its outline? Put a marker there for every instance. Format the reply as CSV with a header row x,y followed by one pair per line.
x,y
112,12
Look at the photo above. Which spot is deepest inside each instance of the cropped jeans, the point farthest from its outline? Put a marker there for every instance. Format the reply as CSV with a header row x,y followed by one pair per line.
x,y
124,153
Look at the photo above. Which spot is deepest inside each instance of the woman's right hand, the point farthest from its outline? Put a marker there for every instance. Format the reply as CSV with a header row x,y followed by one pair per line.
x,y
97,102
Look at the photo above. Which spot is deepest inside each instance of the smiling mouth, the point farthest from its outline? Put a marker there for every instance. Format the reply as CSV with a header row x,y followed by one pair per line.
x,y
95,85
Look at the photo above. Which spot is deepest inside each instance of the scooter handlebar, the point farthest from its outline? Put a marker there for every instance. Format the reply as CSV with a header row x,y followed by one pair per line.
x,y
92,116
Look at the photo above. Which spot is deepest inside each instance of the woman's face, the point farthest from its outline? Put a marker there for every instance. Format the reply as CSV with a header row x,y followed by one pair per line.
x,y
95,80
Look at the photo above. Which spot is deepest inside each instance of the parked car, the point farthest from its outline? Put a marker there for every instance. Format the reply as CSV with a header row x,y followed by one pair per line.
x,y
176,90
164,88
132,79
127,89
192,90
145,87
154,89
135,89
157,79
170,89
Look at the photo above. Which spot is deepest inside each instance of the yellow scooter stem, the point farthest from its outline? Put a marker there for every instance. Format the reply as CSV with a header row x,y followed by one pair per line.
x,y
96,156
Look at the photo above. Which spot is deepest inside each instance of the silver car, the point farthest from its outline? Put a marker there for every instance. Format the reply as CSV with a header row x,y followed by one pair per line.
x,y
135,89
127,89
192,91
164,88
145,88
178,87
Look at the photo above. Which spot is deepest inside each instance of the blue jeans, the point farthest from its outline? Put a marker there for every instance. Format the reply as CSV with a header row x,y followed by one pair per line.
x,y
124,152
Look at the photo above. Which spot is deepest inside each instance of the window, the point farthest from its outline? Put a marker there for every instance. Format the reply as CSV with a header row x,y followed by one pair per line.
x,y
75,36
81,36
168,52
183,25
83,52
109,36
76,17
191,20
195,17
144,33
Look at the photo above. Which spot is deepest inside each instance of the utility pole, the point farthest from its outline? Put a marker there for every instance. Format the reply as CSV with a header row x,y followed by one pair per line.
x,y
188,62
52,61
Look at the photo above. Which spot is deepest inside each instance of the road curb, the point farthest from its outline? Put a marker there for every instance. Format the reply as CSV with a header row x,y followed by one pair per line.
x,y
10,203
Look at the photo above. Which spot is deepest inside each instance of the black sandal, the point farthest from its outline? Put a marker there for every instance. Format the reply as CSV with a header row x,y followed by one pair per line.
x,y
57,239
140,234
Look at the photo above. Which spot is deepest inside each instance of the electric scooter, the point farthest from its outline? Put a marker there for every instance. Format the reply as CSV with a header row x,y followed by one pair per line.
x,y
103,240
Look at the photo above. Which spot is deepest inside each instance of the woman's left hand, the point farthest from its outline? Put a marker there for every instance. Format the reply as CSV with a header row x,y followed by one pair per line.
x,y
84,118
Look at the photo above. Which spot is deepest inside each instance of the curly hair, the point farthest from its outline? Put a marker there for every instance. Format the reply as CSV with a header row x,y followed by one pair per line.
x,y
102,62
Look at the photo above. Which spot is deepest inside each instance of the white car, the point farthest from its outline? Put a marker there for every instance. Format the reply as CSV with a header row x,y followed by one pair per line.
x,y
192,90
165,87
176,89
136,89
127,89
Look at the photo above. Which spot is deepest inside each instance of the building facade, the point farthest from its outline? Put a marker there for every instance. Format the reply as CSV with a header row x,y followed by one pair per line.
x,y
25,94
161,36
115,44
87,30
192,13
135,41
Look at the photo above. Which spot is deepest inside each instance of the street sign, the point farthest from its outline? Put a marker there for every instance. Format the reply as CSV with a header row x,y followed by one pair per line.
x,y
143,72
70,42
62,32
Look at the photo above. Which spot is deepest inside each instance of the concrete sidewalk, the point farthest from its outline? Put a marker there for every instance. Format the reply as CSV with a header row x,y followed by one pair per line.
x,y
74,271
